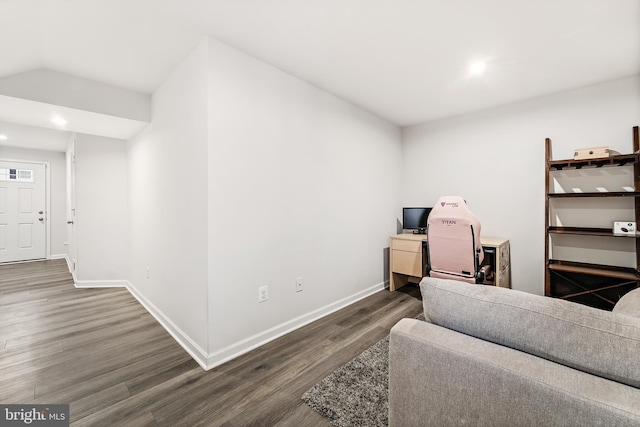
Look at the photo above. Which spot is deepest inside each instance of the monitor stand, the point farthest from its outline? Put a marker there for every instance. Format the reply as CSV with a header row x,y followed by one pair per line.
x,y
420,231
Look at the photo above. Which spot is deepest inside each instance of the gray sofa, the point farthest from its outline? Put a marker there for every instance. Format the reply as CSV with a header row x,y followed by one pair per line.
x,y
491,356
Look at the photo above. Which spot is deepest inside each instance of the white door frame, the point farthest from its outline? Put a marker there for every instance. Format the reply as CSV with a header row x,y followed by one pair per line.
x,y
70,207
47,198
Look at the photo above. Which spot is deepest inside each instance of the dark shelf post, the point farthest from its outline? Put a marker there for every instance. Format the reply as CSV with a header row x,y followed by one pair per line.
x,y
636,187
547,272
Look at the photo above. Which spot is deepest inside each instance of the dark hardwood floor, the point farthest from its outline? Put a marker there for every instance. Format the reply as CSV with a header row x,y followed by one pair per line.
x,y
101,352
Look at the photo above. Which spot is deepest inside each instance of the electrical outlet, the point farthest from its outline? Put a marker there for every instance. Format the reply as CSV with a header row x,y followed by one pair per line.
x,y
147,272
299,286
263,293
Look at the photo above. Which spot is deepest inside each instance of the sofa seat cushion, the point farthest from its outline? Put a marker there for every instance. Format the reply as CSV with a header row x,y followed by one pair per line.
x,y
596,341
629,304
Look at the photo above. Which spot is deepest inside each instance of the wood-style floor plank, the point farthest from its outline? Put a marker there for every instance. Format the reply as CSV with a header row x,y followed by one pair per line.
x,y
101,352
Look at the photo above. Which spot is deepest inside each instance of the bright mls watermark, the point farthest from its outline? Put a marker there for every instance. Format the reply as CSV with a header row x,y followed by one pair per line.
x,y
34,415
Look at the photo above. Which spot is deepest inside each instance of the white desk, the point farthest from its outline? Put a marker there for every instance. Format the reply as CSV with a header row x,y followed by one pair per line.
x,y
408,260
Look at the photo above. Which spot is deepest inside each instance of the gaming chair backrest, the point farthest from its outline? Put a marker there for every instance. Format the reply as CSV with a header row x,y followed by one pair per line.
x,y
453,237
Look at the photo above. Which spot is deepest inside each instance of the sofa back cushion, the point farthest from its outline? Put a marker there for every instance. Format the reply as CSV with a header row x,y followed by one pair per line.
x,y
596,341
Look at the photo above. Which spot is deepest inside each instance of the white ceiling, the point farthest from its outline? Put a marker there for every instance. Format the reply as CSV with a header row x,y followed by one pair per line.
x,y
404,60
32,137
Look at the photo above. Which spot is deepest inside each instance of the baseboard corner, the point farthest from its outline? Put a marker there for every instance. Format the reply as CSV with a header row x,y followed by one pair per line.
x,y
191,347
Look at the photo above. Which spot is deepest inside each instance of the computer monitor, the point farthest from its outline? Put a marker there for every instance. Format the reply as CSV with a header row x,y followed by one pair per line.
x,y
415,219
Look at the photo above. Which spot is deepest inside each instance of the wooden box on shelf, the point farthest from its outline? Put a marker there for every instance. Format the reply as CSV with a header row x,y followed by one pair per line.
x,y
591,153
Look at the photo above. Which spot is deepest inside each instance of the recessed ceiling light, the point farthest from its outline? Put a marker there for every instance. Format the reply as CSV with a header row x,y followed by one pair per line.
x,y
3,137
58,120
477,68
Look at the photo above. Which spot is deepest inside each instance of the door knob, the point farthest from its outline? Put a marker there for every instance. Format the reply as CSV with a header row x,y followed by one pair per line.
x,y
40,212
69,222
41,219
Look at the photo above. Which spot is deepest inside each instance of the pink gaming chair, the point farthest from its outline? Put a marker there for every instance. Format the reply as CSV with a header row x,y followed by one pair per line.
x,y
453,241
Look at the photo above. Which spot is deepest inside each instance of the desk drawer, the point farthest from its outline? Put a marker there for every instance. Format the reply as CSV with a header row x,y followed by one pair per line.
x,y
409,263
407,245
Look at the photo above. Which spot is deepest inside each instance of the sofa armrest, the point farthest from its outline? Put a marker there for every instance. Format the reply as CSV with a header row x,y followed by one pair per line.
x,y
629,304
602,343
440,377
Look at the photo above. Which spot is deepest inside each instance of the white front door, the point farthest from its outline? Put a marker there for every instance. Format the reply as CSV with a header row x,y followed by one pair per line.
x,y
22,211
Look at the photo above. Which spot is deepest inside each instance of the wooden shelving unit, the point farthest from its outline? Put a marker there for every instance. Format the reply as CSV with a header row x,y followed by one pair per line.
x,y
592,284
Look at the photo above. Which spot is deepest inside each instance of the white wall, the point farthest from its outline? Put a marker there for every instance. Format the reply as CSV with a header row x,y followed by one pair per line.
x,y
301,184
248,176
167,171
101,209
495,160
57,215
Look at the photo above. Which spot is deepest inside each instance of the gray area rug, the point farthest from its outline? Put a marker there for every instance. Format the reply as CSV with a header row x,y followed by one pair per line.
x,y
357,393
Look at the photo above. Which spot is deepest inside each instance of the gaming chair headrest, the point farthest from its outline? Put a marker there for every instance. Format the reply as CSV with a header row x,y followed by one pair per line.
x,y
452,207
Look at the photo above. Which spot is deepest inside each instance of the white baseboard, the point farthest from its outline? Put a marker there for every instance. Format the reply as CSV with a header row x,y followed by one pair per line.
x,y
66,258
102,283
90,283
211,360
195,351
244,346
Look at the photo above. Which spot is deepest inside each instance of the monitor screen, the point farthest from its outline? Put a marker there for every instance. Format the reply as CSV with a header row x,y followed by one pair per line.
x,y
415,218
